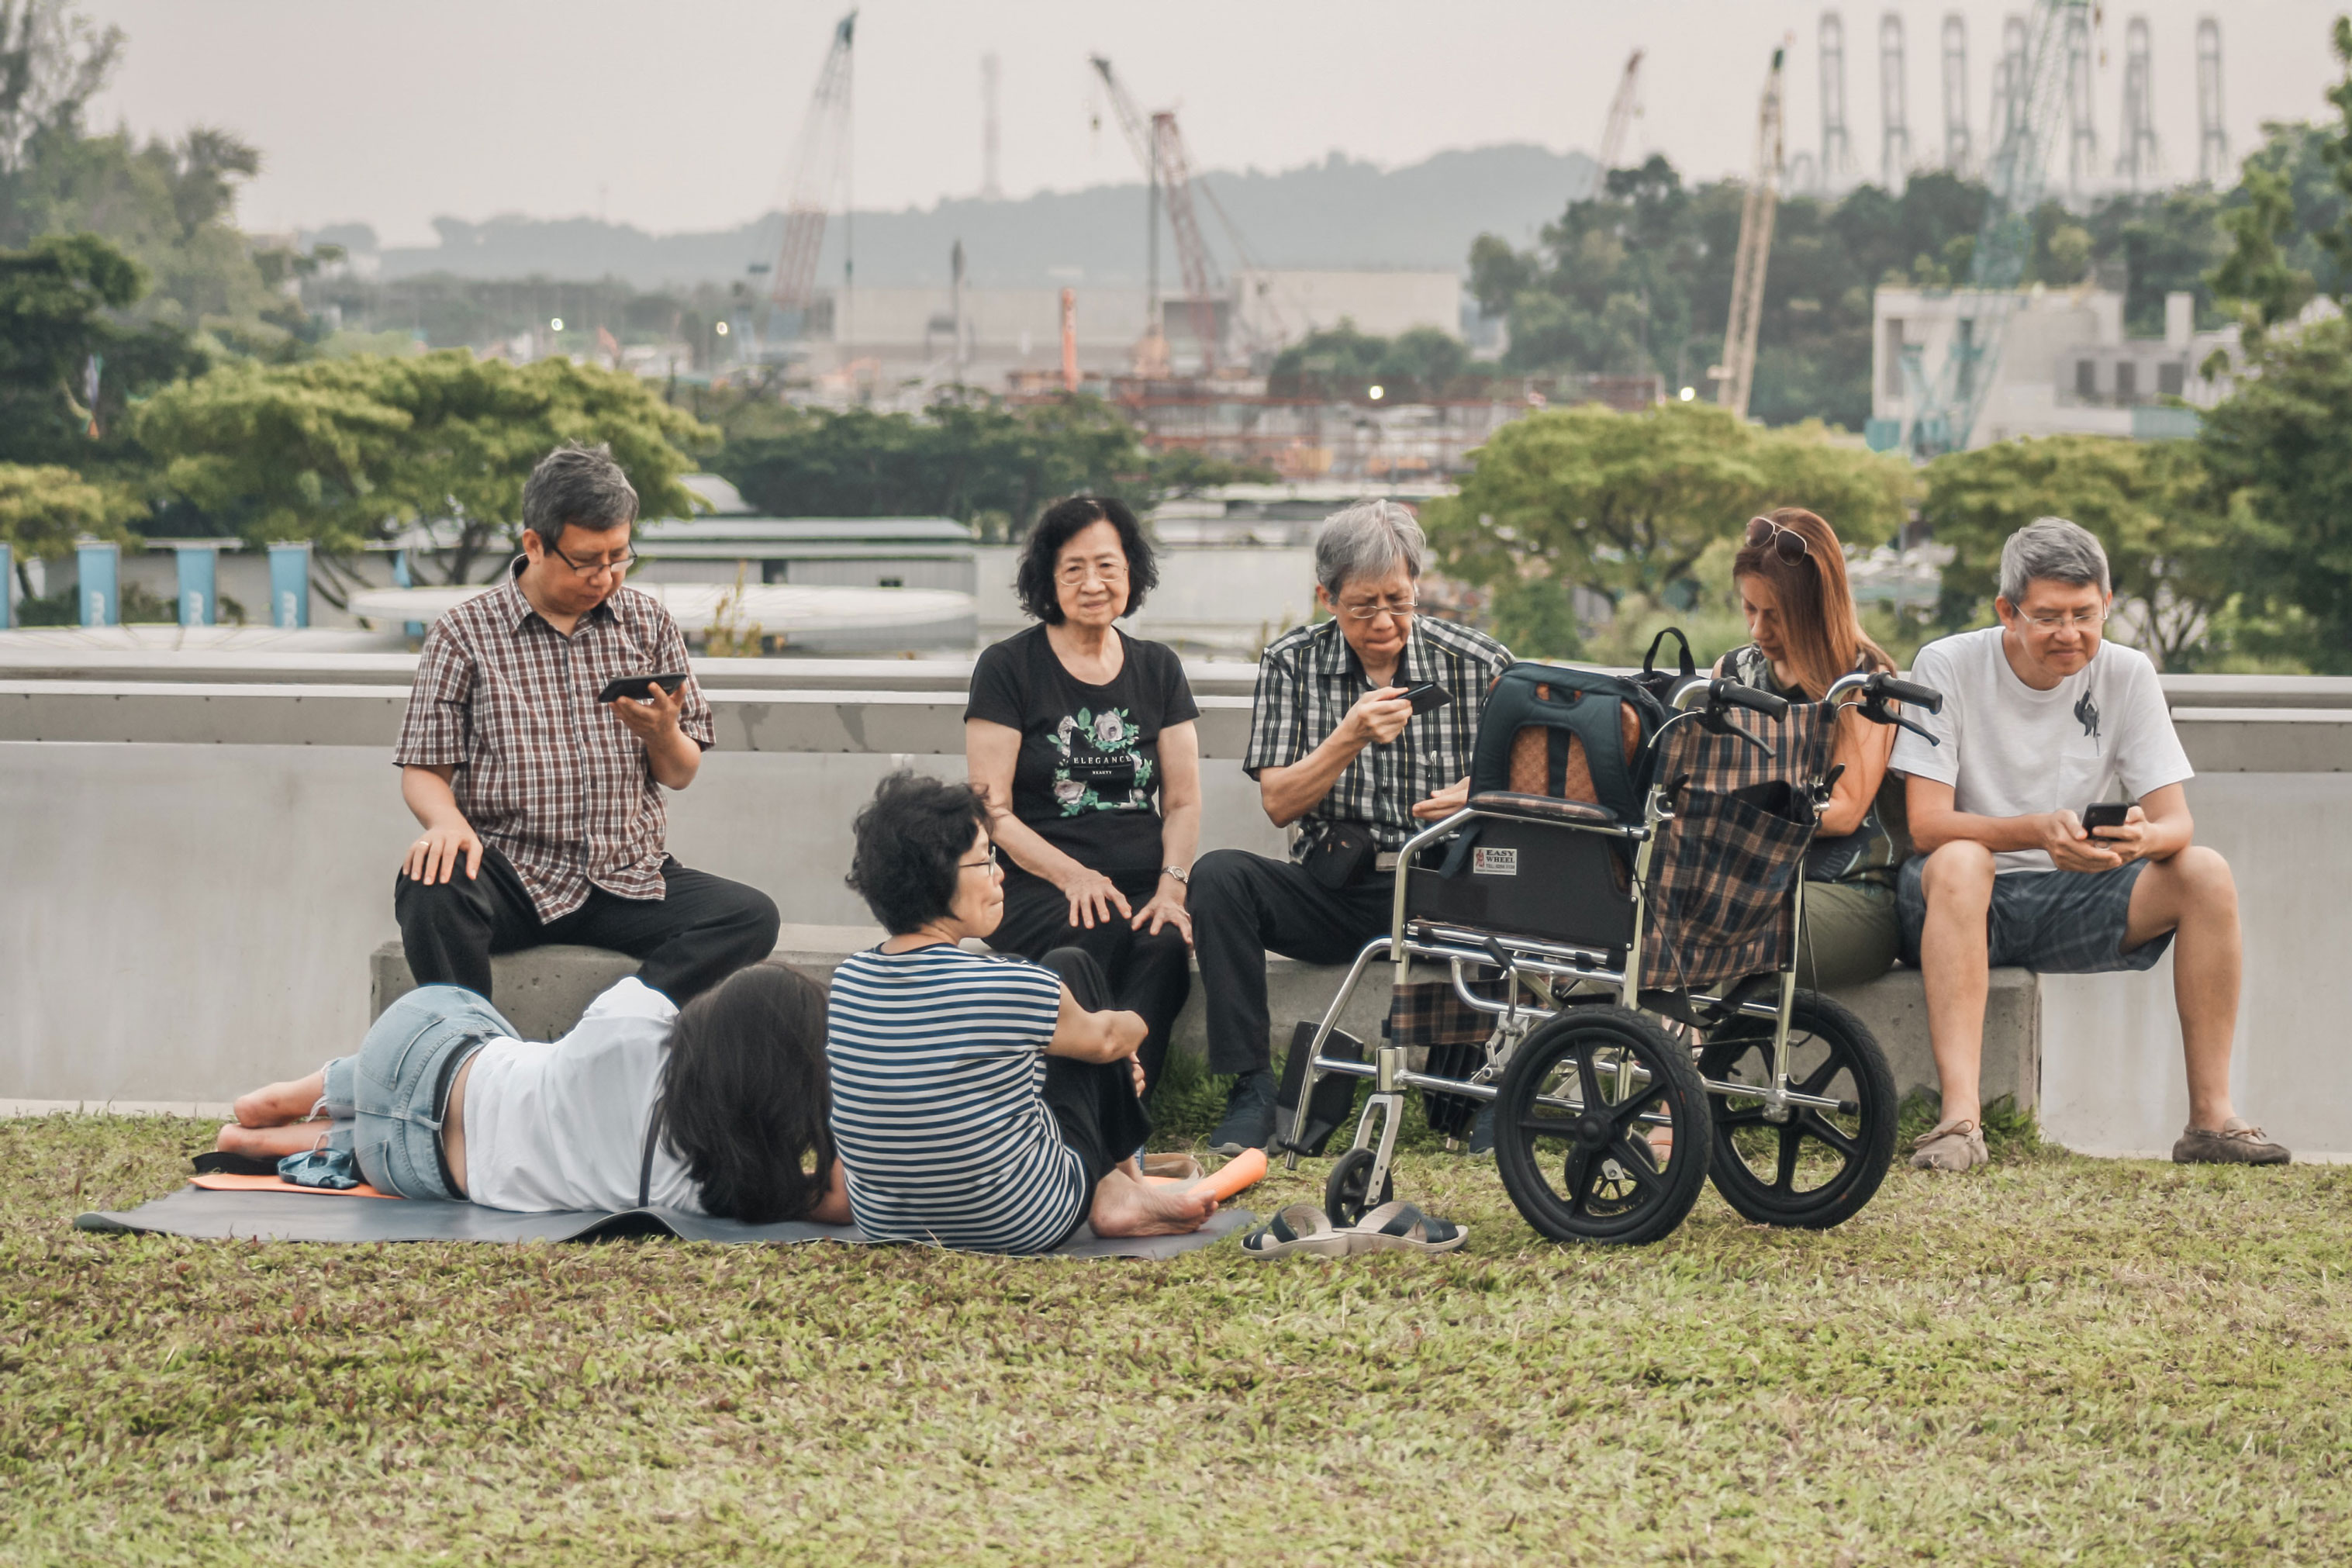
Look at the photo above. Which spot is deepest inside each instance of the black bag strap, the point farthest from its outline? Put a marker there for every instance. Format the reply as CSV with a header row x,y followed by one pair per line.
x,y
646,1164
1650,660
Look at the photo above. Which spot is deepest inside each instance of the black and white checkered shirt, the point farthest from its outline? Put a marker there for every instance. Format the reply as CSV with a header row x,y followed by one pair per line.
x,y
551,779
1308,679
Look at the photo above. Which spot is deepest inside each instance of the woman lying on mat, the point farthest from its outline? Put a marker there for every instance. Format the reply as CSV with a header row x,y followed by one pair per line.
x,y
720,1108
980,1102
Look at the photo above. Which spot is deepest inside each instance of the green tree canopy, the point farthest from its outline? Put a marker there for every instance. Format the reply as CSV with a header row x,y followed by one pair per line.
x,y
2171,550
349,451
1342,363
43,508
2279,449
1627,503
958,459
60,315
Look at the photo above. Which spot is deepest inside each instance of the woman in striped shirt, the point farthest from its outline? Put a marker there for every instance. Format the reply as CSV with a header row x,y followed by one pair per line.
x,y
985,1103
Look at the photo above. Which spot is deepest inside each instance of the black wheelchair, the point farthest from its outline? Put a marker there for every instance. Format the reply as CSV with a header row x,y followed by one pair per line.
x,y
1636,954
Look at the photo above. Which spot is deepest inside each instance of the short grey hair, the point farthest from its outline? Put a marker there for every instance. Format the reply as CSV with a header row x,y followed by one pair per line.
x,y
2053,550
579,487
1368,540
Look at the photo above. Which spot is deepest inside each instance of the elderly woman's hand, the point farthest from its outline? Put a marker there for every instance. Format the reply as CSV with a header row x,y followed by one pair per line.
x,y
1092,898
1166,909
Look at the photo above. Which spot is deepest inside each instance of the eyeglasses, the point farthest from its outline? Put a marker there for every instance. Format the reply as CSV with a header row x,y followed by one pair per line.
x,y
1073,573
2081,620
1374,612
1787,542
590,568
989,864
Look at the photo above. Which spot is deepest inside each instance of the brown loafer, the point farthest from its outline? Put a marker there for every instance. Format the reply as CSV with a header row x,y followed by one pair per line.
x,y
2239,1142
1951,1146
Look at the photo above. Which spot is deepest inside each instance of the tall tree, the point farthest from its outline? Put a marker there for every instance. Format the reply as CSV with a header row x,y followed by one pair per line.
x,y
350,451
60,305
1627,503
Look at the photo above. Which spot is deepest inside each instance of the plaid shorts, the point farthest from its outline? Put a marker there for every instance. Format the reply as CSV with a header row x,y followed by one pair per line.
x,y
2054,922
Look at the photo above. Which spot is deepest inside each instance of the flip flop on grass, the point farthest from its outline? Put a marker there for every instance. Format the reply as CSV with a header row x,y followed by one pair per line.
x,y
1301,1227
1397,1226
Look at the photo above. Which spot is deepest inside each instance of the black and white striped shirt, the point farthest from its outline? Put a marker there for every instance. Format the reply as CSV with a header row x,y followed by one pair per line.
x,y
938,1069
1309,678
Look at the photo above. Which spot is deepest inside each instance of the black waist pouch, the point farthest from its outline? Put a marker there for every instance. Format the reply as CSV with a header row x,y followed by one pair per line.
x,y
1342,855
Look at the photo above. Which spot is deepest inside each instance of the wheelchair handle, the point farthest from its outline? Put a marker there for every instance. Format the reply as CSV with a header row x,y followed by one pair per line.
x,y
1908,691
1732,693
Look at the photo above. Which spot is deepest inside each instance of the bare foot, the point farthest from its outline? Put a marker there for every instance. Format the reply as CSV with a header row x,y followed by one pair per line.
x,y
270,1142
275,1105
1125,1206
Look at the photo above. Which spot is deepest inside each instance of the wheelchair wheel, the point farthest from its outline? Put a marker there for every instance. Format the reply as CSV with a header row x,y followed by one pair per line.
x,y
1601,1128
1819,1167
1346,1197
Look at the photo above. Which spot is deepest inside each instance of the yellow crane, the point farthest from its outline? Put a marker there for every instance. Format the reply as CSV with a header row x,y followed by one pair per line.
x,y
1736,376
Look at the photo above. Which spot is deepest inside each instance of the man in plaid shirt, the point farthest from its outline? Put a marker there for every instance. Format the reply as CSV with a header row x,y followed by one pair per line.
x,y
1334,747
542,816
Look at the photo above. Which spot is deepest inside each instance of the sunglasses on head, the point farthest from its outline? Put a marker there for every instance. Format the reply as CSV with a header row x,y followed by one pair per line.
x,y
1787,542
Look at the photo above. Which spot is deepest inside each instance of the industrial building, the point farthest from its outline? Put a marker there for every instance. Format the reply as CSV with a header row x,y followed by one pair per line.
x,y
2061,364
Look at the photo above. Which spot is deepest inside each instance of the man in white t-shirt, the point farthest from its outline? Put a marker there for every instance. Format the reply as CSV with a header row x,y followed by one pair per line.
x,y
2042,717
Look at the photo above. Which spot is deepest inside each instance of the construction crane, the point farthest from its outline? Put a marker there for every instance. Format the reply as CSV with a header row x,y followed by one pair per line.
x,y
820,169
1837,153
2136,159
2212,142
2009,74
1158,146
1624,106
1737,375
2081,128
1956,93
1895,122
1943,412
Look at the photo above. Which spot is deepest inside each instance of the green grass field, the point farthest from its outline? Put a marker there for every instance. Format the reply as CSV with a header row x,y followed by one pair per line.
x,y
2059,1361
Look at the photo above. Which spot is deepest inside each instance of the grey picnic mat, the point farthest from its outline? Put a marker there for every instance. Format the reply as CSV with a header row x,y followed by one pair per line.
x,y
321,1216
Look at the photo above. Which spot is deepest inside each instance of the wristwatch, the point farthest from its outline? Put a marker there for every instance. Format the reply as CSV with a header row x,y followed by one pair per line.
x,y
1177,872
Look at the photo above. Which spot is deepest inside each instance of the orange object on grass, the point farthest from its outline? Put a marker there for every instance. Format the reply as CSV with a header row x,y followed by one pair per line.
x,y
228,1183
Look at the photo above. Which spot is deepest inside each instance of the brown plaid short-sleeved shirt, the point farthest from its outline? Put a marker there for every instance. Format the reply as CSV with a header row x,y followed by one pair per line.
x,y
548,776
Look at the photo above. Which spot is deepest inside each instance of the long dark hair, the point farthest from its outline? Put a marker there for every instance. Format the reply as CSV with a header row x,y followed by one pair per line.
x,y
1824,635
744,1098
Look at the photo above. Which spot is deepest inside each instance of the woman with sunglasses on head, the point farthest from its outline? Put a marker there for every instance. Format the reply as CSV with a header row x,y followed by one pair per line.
x,y
1790,574
1083,740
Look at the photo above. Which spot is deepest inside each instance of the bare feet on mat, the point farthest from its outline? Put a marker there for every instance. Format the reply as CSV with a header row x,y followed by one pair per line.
x,y
270,1142
1125,1206
276,1104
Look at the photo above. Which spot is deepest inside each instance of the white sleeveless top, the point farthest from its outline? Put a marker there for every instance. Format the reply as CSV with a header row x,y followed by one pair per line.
x,y
560,1124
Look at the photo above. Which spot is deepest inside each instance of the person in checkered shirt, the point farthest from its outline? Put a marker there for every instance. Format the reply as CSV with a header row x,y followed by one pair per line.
x,y
541,808
1334,748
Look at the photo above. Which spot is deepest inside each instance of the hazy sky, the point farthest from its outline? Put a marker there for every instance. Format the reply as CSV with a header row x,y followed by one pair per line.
x,y
682,115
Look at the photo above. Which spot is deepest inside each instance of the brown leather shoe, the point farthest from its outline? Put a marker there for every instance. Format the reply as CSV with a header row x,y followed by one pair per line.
x,y
1951,1146
2239,1142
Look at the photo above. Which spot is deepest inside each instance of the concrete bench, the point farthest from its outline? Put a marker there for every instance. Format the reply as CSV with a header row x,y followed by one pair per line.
x,y
543,992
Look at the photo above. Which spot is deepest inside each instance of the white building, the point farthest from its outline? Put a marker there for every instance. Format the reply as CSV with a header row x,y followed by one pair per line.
x,y
2062,366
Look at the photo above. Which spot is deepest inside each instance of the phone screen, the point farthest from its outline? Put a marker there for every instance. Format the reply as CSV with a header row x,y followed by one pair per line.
x,y
1426,696
2106,813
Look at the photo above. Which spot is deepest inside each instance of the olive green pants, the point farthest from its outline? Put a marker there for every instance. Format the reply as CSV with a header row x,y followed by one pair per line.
x,y
1849,934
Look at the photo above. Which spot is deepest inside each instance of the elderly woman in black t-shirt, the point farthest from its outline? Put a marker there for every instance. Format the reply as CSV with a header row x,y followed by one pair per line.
x,y
1071,730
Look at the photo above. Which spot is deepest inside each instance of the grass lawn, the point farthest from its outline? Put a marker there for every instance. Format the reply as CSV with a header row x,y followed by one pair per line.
x,y
2058,1361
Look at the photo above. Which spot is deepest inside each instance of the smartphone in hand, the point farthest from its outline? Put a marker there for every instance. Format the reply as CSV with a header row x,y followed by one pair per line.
x,y
1425,696
640,687
2106,813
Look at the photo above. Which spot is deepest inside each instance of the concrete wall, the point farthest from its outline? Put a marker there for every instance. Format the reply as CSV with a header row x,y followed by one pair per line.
x,y
193,875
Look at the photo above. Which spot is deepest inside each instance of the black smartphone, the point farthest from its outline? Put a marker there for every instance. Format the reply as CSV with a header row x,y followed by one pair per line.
x,y
1425,696
640,686
2106,813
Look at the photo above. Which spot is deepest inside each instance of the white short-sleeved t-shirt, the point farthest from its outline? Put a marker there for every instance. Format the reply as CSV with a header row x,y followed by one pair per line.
x,y
2010,750
561,1125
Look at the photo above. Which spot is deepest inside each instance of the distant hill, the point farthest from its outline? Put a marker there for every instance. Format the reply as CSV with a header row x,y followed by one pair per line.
x,y
1340,213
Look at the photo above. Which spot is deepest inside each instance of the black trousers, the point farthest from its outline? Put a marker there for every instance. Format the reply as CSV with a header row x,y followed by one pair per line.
x,y
1146,973
1243,907
703,931
1093,1104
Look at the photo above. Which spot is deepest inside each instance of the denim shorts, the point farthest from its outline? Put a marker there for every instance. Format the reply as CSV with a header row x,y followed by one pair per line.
x,y
2054,922
388,1100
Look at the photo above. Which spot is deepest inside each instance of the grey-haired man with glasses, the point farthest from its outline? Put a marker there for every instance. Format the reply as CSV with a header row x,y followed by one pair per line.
x,y
1342,758
2045,723
541,806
